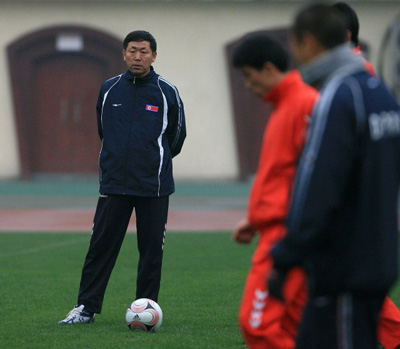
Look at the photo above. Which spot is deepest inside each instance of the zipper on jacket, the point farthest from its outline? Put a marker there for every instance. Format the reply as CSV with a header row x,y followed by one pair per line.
x,y
129,137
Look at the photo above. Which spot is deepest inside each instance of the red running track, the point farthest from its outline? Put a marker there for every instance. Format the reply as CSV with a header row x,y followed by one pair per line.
x,y
69,220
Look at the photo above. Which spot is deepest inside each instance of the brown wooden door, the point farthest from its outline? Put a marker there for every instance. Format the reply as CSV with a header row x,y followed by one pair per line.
x,y
65,126
56,74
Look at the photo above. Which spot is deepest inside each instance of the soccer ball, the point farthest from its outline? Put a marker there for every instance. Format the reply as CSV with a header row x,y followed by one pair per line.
x,y
144,315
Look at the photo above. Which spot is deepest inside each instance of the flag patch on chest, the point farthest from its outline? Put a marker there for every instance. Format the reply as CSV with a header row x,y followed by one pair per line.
x,y
152,108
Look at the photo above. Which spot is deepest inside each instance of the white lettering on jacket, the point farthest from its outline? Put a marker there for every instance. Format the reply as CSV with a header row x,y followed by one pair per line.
x,y
384,125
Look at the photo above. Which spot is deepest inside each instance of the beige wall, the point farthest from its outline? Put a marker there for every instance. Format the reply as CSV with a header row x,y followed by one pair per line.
x,y
191,39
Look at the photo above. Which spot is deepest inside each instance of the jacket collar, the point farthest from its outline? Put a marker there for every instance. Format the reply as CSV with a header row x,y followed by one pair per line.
x,y
337,61
275,95
138,80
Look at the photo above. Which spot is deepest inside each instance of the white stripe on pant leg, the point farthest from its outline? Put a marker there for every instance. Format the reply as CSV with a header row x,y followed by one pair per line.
x,y
257,312
163,240
344,320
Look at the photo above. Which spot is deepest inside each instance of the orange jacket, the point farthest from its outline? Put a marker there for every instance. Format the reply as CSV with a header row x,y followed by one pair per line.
x,y
283,143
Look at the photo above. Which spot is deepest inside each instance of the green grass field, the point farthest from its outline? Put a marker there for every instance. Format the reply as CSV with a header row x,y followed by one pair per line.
x,y
202,284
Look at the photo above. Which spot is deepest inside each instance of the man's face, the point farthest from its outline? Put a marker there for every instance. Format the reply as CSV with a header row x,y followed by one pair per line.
x,y
258,82
138,57
306,48
300,50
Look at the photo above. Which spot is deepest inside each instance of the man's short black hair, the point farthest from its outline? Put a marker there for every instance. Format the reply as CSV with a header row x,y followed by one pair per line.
x,y
324,22
140,35
257,49
351,20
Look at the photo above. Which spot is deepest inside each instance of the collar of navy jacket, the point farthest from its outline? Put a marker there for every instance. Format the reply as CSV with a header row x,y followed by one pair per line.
x,y
140,80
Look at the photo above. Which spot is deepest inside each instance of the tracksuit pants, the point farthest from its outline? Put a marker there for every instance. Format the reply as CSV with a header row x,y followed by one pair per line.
x,y
343,321
268,323
111,221
265,321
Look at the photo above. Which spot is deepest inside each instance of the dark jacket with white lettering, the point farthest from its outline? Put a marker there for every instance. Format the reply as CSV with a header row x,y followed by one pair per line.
x,y
343,222
141,124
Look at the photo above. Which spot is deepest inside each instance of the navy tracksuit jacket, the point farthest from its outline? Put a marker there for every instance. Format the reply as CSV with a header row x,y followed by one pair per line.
x,y
343,223
141,123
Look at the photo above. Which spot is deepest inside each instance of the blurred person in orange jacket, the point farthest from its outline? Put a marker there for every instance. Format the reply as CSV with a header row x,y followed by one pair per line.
x,y
267,322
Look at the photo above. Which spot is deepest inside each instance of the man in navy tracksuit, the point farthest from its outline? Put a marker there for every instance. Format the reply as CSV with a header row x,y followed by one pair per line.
x,y
343,222
141,124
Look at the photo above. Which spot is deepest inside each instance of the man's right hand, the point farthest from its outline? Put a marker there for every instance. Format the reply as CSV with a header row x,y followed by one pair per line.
x,y
244,232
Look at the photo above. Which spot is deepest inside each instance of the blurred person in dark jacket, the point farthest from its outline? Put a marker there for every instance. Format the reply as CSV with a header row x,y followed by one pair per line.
x,y
353,27
342,225
389,320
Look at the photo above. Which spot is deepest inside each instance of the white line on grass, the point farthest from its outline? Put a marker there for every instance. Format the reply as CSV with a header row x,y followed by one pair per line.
x,y
41,248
